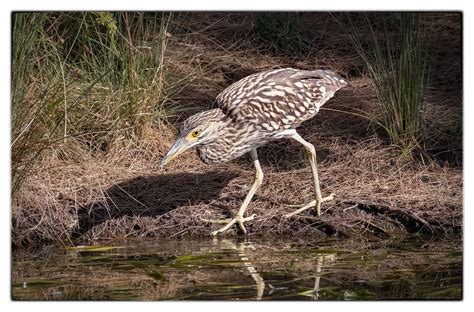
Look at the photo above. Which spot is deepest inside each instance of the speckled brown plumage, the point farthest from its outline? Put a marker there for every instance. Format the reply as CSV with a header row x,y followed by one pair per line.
x,y
262,107
253,111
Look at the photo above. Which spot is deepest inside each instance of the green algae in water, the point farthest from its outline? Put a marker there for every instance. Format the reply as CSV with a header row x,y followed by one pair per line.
x,y
93,248
38,283
229,269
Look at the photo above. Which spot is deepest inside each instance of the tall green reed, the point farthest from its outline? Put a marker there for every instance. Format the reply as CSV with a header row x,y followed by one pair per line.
x,y
281,32
394,52
97,78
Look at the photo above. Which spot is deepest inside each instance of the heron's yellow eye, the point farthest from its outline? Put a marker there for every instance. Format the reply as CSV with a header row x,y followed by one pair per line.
x,y
196,133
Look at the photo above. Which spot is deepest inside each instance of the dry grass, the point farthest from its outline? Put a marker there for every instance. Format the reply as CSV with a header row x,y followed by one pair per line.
x,y
128,196
123,193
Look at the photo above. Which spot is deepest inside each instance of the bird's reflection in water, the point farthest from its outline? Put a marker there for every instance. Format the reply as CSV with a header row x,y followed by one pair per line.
x,y
317,278
321,260
240,247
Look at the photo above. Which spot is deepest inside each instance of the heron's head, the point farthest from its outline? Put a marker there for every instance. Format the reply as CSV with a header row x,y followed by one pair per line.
x,y
196,130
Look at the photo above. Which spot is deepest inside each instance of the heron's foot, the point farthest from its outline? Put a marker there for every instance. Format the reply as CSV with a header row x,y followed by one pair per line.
x,y
315,203
237,219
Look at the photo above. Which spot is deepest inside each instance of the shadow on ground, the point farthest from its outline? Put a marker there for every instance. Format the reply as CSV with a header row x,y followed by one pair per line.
x,y
152,196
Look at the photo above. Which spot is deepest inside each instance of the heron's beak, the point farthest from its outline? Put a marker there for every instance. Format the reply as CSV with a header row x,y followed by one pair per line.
x,y
178,147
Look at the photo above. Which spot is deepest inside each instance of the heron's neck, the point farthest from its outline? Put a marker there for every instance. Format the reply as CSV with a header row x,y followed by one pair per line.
x,y
227,141
218,125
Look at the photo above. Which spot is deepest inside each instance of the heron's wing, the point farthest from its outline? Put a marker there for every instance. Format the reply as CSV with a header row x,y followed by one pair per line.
x,y
279,99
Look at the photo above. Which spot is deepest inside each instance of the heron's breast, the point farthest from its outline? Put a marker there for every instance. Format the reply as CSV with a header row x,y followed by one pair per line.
x,y
231,143
218,152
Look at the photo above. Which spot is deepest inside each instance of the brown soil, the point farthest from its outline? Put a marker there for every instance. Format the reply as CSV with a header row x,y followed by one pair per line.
x,y
379,193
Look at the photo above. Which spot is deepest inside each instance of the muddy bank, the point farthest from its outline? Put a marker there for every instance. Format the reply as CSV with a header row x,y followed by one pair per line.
x,y
377,194
76,194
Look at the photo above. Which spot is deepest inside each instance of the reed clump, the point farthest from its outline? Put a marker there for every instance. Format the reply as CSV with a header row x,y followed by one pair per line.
x,y
93,80
394,52
281,33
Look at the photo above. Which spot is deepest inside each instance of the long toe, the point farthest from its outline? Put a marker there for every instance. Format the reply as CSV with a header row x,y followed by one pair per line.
x,y
301,209
219,221
313,203
237,219
328,198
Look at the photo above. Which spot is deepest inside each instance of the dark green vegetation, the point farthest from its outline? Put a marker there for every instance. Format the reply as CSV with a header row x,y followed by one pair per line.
x,y
96,79
397,61
281,269
281,33
97,97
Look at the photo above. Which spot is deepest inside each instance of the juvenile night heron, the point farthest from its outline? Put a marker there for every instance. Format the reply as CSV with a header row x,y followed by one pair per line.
x,y
253,111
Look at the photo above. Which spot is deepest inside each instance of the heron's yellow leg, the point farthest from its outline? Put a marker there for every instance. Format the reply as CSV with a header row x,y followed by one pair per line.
x,y
239,217
311,151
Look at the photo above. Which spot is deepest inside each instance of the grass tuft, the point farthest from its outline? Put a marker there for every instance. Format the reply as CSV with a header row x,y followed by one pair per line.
x,y
280,32
95,80
397,62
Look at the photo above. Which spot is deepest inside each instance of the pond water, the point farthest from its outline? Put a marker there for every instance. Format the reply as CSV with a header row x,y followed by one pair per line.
x,y
240,269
